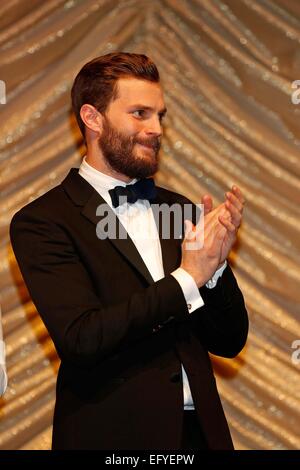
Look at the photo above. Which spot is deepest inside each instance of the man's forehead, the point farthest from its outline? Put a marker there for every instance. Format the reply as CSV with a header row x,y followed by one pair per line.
x,y
132,90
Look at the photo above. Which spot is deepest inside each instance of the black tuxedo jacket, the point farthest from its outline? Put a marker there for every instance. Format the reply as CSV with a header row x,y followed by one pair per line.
x,y
122,337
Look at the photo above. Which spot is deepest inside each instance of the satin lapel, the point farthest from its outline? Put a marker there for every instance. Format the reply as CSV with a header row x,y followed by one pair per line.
x,y
125,246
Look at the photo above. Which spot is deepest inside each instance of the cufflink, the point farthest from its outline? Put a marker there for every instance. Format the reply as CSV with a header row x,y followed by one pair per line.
x,y
189,306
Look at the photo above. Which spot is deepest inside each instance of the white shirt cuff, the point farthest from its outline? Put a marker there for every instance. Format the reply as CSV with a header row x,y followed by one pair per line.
x,y
213,281
189,288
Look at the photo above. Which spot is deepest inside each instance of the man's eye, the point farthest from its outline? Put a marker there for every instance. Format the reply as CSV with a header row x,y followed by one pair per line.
x,y
140,112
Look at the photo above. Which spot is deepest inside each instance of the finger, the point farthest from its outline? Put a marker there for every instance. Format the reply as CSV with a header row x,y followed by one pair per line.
x,y
234,200
214,235
211,221
206,200
213,214
216,230
188,225
189,229
236,216
227,224
237,191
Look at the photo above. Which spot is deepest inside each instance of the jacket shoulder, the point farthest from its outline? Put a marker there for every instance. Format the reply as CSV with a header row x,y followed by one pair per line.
x,y
43,205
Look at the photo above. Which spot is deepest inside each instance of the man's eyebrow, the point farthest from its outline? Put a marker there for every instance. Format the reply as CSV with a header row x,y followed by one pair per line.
x,y
148,108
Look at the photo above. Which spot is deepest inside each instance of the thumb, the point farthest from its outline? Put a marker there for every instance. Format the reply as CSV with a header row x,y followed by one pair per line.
x,y
206,200
188,228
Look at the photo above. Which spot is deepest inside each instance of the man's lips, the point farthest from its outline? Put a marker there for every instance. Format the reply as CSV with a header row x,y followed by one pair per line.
x,y
151,147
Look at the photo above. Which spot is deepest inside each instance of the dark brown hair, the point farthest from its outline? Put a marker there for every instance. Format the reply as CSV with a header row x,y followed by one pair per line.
x,y
96,83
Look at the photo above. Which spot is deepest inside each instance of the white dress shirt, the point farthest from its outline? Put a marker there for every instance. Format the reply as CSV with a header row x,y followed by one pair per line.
x,y
3,375
138,220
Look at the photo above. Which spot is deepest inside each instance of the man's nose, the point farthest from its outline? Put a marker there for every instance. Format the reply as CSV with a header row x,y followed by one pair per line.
x,y
154,127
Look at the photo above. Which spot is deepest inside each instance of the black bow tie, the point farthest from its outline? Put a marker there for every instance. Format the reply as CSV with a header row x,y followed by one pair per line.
x,y
142,189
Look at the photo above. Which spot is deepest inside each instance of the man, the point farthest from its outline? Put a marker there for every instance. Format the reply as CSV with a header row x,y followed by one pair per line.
x,y
133,318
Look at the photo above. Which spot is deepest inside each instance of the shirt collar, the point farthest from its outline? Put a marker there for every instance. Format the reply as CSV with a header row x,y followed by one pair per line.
x,y
99,179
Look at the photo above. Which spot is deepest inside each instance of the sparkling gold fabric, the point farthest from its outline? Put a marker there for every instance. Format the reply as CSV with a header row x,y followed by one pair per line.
x,y
227,69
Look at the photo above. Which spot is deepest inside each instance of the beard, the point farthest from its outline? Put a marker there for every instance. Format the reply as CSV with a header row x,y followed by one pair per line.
x,y
119,150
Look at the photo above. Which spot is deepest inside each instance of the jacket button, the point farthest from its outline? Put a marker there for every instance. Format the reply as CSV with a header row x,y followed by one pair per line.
x,y
175,377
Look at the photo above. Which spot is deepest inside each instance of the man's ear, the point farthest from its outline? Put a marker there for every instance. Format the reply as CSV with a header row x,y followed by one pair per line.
x,y
92,118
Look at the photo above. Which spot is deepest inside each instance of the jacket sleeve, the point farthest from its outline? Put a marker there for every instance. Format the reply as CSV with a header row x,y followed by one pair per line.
x,y
82,329
222,323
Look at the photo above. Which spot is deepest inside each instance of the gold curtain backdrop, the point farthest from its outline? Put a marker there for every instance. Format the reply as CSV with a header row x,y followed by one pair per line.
x,y
227,68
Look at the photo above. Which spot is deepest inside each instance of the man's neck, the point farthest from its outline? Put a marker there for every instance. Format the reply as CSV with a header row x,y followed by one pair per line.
x,y
98,162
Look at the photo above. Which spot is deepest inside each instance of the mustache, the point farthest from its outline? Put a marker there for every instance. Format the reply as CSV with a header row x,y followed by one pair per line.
x,y
150,142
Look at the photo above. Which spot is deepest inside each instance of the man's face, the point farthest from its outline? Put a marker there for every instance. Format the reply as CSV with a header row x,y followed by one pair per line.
x,y
130,139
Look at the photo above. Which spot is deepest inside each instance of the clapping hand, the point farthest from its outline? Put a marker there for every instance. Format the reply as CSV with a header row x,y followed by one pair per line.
x,y
230,216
